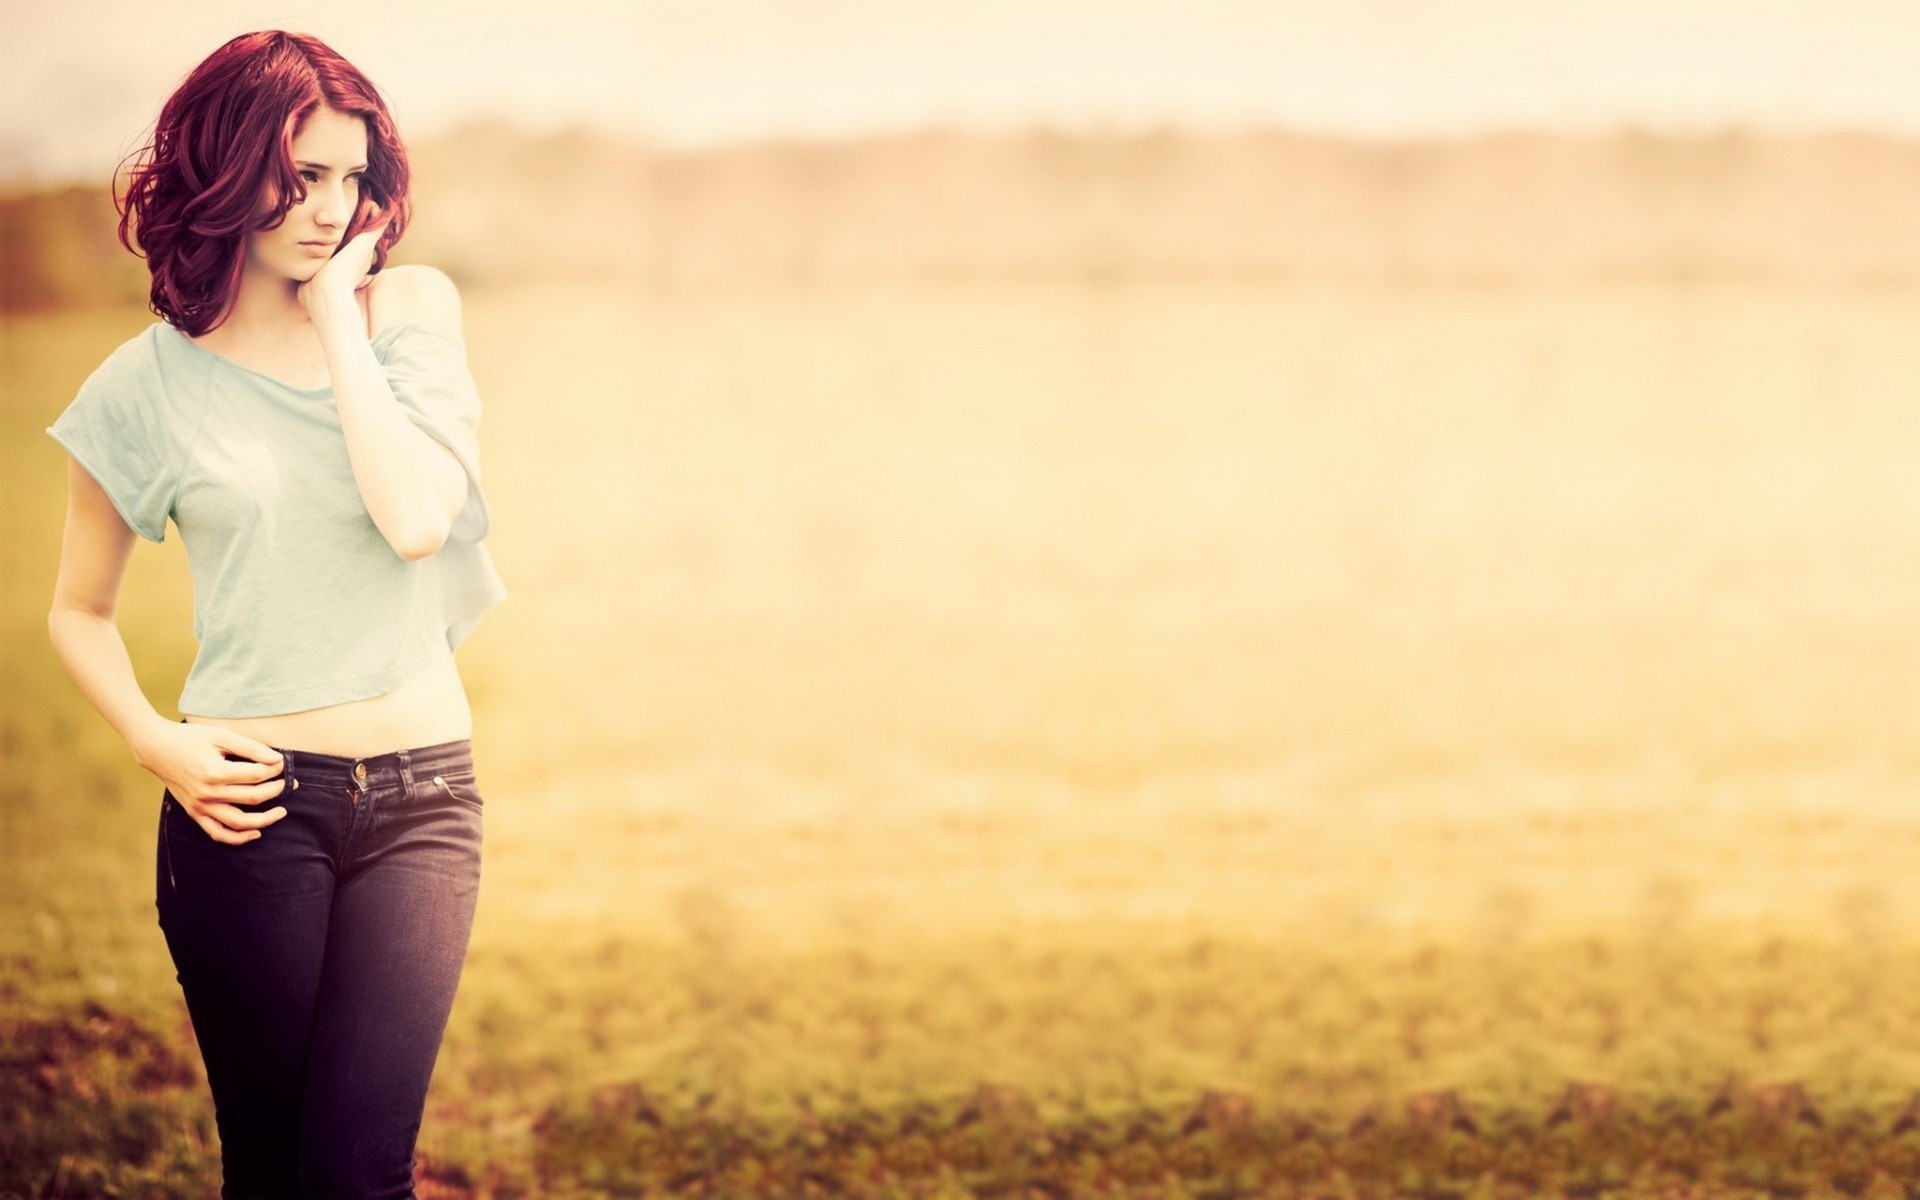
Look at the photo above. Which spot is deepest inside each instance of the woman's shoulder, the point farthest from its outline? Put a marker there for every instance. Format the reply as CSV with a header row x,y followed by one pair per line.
x,y
137,363
133,398
415,294
142,346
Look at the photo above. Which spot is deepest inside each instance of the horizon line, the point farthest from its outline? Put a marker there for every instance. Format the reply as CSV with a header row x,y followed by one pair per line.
x,y
15,181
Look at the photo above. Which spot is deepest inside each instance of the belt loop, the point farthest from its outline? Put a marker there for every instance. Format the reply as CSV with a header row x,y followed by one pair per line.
x,y
406,769
286,766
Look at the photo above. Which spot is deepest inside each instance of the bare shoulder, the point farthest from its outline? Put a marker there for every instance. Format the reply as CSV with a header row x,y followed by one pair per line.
x,y
416,294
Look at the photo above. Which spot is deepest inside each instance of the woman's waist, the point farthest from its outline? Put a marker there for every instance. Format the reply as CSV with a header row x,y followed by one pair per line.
x,y
429,709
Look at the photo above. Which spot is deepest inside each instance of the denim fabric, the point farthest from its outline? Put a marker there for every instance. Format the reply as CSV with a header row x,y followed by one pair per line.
x,y
319,963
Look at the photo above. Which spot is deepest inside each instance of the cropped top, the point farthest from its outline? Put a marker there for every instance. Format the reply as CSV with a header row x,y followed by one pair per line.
x,y
299,601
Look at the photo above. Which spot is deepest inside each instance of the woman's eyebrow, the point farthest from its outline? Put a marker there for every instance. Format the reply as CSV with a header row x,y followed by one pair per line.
x,y
324,166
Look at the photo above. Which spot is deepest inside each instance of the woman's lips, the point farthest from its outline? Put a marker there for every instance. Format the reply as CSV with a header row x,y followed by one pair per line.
x,y
318,249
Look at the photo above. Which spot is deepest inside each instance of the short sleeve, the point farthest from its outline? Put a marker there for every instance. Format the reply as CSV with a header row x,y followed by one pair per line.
x,y
430,379
123,431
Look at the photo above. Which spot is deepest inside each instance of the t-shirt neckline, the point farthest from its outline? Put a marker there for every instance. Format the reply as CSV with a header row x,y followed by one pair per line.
x,y
282,384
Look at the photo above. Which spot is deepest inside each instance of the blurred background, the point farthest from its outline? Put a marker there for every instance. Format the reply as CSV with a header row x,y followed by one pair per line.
x,y
1084,561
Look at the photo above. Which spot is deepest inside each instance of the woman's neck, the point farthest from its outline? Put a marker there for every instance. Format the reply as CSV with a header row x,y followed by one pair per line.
x,y
265,312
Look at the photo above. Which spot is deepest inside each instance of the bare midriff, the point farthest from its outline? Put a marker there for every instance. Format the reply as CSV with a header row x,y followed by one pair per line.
x,y
424,711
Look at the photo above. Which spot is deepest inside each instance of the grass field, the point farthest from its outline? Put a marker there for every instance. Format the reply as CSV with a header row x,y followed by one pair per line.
x,y
1144,741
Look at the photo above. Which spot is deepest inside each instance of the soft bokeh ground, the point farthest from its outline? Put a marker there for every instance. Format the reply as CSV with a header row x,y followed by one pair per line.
x,y
1117,692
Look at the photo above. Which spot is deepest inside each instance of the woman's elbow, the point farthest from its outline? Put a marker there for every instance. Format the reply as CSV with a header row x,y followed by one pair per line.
x,y
429,530
420,544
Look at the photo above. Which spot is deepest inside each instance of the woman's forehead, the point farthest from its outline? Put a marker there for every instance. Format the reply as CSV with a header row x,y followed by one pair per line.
x,y
332,139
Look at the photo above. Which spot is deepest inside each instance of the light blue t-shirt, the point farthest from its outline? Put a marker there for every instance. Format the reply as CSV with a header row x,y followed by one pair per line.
x,y
299,601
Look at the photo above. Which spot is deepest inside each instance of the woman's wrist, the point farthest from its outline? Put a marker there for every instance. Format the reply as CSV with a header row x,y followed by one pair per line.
x,y
335,315
145,738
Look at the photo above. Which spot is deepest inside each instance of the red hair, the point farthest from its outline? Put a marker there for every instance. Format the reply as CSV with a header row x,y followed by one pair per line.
x,y
224,141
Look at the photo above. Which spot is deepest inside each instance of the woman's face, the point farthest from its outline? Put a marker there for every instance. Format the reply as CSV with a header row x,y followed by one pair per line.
x,y
331,154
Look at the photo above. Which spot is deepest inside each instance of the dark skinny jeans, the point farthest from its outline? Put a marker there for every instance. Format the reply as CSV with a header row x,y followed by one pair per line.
x,y
319,963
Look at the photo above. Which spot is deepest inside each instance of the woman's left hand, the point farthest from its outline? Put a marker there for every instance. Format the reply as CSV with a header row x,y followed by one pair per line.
x,y
343,274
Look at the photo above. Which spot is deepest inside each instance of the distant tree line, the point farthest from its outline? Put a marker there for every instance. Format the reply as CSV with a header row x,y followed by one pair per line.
x,y
499,205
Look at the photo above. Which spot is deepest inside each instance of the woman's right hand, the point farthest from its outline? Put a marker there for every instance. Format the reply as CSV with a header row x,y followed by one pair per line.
x,y
191,759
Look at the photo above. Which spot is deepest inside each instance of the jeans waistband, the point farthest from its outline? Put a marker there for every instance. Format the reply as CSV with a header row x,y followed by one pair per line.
x,y
379,770
396,767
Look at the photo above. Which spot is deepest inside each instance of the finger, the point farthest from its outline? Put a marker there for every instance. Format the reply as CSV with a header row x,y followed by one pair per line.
x,y
220,833
241,773
240,743
246,791
233,818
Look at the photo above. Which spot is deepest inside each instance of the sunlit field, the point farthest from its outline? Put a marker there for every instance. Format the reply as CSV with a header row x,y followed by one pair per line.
x,y
1133,741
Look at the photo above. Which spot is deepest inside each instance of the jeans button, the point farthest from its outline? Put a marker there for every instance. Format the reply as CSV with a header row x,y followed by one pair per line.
x,y
360,772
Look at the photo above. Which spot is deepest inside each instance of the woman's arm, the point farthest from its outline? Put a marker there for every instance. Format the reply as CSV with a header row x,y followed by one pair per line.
x,y
93,558
189,759
412,485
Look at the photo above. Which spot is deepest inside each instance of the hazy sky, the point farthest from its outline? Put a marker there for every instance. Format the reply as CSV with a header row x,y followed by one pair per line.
x,y
82,80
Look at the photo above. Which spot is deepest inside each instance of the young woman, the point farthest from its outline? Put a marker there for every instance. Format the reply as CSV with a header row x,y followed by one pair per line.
x,y
308,422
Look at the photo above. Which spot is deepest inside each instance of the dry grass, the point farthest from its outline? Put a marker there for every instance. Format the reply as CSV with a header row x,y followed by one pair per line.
x,y
1328,697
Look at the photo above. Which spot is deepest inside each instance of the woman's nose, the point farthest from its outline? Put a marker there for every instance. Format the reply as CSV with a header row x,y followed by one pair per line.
x,y
333,206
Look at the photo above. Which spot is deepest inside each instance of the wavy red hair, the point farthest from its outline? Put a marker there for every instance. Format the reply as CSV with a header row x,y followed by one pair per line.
x,y
223,147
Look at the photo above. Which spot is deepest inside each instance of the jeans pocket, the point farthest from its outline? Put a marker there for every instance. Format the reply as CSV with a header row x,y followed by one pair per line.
x,y
460,785
166,839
